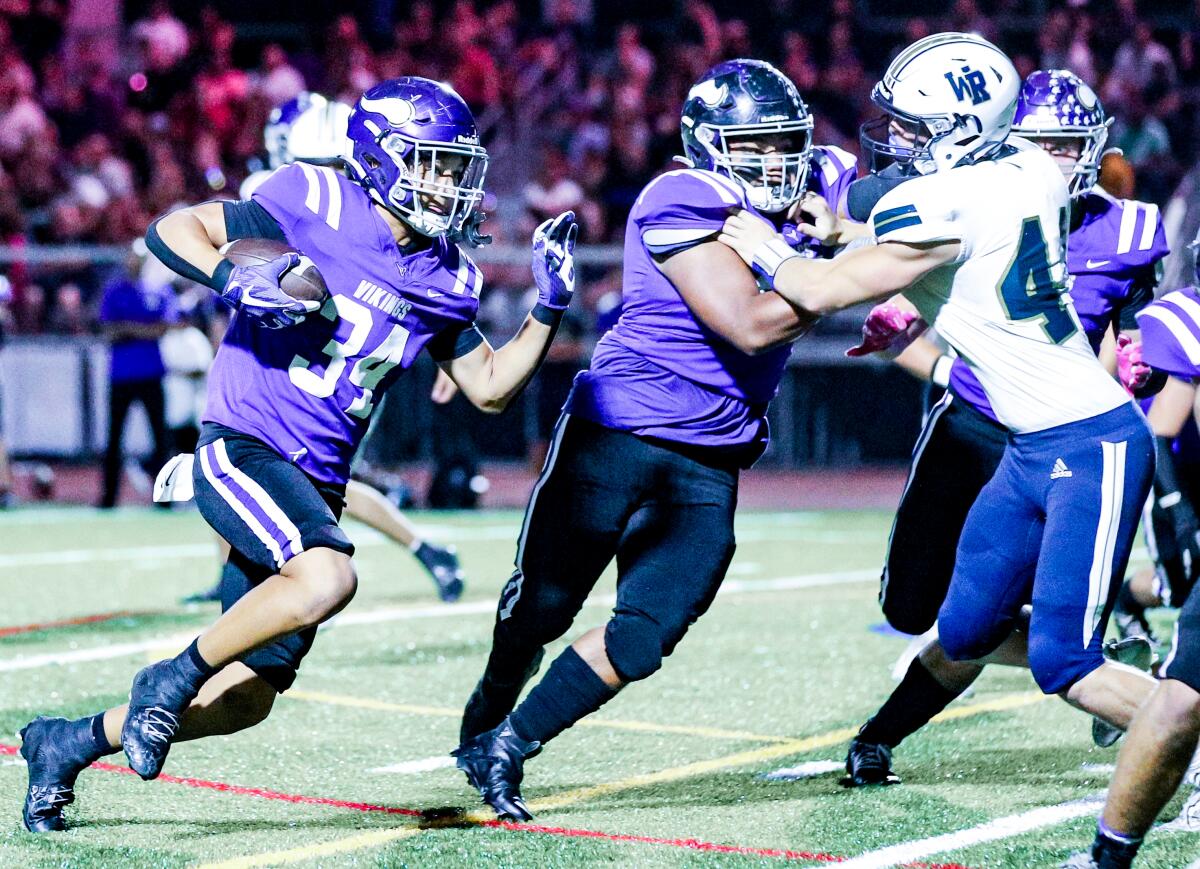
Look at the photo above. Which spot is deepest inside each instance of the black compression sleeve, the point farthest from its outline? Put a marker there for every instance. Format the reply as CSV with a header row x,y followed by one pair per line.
x,y
248,219
449,344
180,266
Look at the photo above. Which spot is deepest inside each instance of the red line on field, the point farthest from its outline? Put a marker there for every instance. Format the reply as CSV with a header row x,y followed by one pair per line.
x,y
68,623
567,832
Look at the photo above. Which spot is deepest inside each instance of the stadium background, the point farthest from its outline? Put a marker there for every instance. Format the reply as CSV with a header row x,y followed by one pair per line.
x,y
112,113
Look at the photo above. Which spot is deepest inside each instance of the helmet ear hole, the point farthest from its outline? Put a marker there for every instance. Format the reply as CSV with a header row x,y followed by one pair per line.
x,y
371,162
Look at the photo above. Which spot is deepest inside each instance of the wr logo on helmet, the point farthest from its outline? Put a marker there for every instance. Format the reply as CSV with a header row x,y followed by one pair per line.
x,y
972,84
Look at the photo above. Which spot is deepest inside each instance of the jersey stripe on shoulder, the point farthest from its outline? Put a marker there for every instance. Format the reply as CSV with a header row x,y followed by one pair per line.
x,y
1180,313
1179,330
726,189
1149,224
1129,213
468,279
896,218
319,177
334,215
312,199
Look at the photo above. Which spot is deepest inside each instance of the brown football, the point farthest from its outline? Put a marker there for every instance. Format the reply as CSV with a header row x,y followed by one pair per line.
x,y
302,282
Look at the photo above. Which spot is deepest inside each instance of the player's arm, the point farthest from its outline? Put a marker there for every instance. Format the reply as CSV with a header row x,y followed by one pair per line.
x,y
491,379
188,242
925,361
825,286
724,296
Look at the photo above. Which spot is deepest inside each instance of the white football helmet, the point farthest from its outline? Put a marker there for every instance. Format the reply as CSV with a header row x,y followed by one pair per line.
x,y
319,134
949,100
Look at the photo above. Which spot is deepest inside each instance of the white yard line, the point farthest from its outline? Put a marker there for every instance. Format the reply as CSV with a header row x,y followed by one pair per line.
x,y
412,767
100,653
124,553
434,611
808,769
1000,828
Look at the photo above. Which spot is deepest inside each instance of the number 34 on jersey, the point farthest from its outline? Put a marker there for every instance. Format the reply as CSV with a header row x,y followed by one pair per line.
x,y
368,364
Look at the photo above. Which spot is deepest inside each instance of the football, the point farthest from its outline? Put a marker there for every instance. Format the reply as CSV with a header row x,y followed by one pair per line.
x,y
303,282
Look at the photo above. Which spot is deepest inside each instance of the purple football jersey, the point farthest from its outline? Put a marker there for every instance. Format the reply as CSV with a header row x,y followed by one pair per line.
x,y
1113,252
1171,333
659,372
308,391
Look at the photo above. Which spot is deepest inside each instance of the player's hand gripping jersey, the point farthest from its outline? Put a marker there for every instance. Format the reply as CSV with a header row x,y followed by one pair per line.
x,y
309,391
659,372
1113,258
1002,304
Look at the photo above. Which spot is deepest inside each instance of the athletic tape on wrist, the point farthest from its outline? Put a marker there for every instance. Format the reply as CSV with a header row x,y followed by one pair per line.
x,y
772,254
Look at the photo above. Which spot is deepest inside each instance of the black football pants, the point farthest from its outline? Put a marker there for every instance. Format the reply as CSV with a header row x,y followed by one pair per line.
x,y
667,518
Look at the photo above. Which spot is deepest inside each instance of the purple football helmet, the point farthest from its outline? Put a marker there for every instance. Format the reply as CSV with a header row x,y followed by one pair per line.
x,y
279,126
415,148
1057,104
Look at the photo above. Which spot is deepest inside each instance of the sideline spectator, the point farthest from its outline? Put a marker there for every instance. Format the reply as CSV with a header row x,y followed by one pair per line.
x,y
134,316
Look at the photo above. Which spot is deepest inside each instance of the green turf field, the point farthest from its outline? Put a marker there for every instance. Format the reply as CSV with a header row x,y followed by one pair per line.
x,y
670,773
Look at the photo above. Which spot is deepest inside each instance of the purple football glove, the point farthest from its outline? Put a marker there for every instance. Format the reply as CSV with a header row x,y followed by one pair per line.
x,y
554,260
255,291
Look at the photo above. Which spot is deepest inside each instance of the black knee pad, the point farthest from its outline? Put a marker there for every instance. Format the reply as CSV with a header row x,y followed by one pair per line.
x,y
634,645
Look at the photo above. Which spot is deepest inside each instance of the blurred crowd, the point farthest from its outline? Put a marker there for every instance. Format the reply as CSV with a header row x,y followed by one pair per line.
x,y
95,143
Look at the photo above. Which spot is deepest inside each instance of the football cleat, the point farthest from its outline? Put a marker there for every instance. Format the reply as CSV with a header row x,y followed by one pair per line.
x,y
54,753
494,763
442,565
1134,651
1080,860
157,700
868,763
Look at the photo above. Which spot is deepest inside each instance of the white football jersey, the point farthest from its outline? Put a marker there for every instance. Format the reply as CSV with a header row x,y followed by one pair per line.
x,y
1002,305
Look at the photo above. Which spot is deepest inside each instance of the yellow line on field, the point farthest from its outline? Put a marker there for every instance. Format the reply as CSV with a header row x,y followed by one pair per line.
x,y
783,747
312,852
447,712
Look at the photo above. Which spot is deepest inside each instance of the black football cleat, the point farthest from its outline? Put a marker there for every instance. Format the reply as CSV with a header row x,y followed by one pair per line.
x,y
157,700
442,565
868,763
494,764
54,753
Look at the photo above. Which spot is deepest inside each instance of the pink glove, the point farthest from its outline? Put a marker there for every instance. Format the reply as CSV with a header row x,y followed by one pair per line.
x,y
1132,371
886,322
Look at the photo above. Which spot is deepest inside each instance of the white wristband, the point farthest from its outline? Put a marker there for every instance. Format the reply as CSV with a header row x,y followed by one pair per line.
x,y
940,375
770,255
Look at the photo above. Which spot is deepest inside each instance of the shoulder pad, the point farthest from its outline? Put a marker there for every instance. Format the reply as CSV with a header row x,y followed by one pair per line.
x,y
303,192
1125,234
1171,333
914,212
833,162
698,187
468,279
684,206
